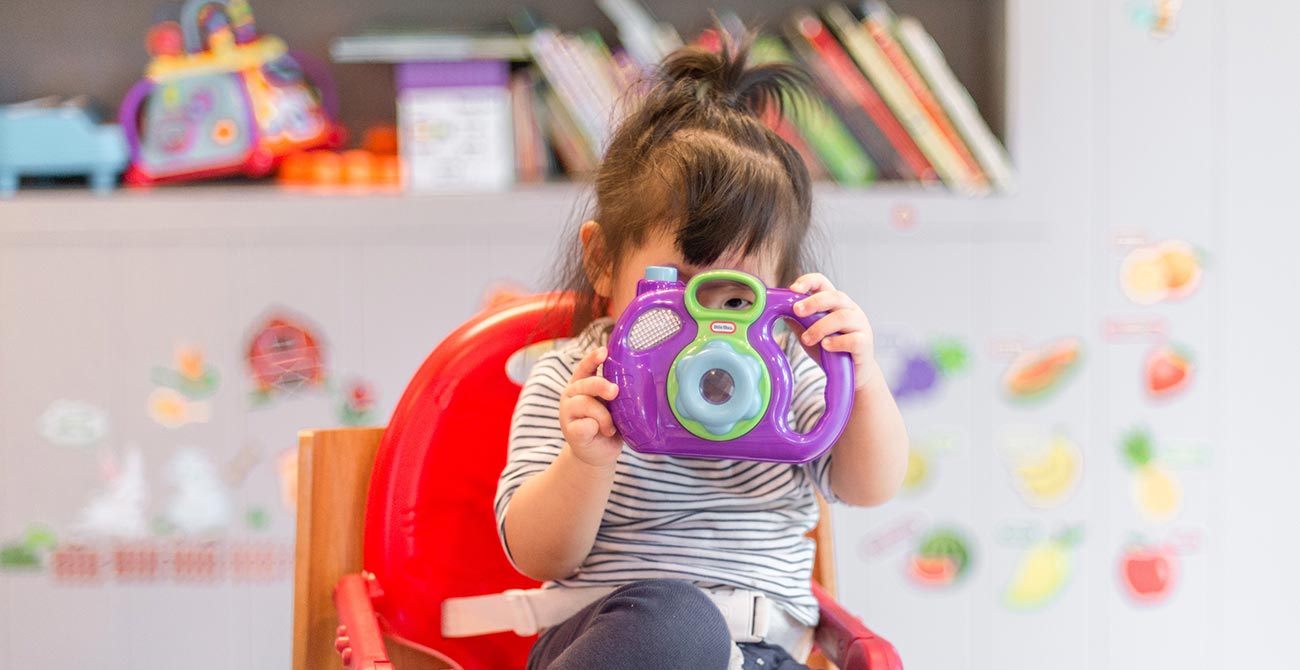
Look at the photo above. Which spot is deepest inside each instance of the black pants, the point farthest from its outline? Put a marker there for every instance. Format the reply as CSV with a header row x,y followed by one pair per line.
x,y
656,624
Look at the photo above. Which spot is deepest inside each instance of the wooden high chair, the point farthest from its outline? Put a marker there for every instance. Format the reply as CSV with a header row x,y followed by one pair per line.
x,y
393,521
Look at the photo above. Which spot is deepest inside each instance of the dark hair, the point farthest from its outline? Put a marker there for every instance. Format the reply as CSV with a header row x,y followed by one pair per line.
x,y
695,154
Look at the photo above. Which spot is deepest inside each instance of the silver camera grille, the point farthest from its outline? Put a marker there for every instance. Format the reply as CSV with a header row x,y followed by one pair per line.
x,y
653,328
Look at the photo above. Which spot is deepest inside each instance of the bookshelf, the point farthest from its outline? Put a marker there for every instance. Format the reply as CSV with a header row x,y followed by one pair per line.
x,y
973,34
34,35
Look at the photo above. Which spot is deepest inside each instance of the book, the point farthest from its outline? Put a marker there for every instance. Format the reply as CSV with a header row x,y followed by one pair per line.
x,y
954,97
878,23
454,125
867,116
781,125
647,41
900,99
404,45
530,143
575,154
845,160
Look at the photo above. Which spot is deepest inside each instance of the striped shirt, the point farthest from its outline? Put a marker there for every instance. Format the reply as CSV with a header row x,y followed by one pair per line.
x,y
718,524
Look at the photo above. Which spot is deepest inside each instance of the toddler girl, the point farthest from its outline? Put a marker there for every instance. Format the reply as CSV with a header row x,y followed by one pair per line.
x,y
695,180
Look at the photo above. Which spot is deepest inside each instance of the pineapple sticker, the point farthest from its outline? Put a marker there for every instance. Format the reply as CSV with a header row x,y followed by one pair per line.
x,y
1156,491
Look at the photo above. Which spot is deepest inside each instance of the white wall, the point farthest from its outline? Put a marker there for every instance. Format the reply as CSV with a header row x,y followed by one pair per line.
x,y
1116,133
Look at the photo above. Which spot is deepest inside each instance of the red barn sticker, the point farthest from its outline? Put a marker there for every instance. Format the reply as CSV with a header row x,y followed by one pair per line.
x,y
285,353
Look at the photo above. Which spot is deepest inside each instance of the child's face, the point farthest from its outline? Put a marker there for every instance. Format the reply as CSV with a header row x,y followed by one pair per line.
x,y
661,249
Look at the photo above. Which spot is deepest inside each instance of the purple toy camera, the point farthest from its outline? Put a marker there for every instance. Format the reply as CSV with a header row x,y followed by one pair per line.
x,y
703,382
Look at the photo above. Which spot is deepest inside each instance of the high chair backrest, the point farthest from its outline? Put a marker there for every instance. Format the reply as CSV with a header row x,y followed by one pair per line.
x,y
430,531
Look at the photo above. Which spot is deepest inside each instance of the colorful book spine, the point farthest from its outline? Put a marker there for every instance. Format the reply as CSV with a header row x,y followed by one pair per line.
x,y
877,24
530,144
844,107
573,150
557,63
848,80
894,91
781,125
845,160
929,61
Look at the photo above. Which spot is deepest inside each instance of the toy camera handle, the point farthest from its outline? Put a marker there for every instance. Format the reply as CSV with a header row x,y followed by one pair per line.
x,y
838,366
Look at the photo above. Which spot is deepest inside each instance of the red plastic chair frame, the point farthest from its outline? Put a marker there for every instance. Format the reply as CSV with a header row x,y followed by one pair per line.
x,y
413,507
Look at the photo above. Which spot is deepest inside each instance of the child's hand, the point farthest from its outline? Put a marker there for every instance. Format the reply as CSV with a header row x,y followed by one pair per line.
x,y
584,419
844,328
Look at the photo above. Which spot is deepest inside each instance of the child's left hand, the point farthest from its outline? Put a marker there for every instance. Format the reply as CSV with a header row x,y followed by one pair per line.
x,y
844,328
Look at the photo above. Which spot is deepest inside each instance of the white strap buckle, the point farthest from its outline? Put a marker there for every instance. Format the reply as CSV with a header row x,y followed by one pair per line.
x,y
746,613
525,620
495,613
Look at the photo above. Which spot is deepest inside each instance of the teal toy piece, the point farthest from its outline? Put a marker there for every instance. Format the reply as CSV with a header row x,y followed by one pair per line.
x,y
56,138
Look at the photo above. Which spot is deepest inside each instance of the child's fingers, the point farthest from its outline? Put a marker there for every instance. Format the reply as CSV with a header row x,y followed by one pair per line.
x,y
583,408
581,431
813,282
831,323
848,342
601,414
587,366
826,301
598,387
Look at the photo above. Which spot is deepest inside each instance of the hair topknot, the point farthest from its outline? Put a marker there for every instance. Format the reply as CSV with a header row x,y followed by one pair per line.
x,y
727,76
696,157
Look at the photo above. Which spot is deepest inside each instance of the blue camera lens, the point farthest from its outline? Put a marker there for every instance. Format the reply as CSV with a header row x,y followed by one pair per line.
x,y
716,386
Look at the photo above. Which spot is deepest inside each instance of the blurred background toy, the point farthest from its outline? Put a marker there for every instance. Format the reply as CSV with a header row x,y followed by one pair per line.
x,y
51,137
375,166
219,99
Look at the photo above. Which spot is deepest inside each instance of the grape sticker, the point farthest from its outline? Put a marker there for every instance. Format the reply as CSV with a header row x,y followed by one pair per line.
x,y
1043,571
922,371
1169,270
1155,490
1037,373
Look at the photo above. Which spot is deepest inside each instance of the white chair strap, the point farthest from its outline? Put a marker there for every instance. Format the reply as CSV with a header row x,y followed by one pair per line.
x,y
748,613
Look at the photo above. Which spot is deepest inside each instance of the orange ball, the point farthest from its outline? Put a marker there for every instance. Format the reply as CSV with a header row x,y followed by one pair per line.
x,y
327,168
358,167
296,168
380,140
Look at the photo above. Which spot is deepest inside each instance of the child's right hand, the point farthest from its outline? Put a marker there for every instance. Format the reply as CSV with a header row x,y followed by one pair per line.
x,y
588,428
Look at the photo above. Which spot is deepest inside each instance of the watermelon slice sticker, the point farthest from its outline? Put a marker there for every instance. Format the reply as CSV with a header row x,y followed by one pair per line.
x,y
940,560
1038,373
